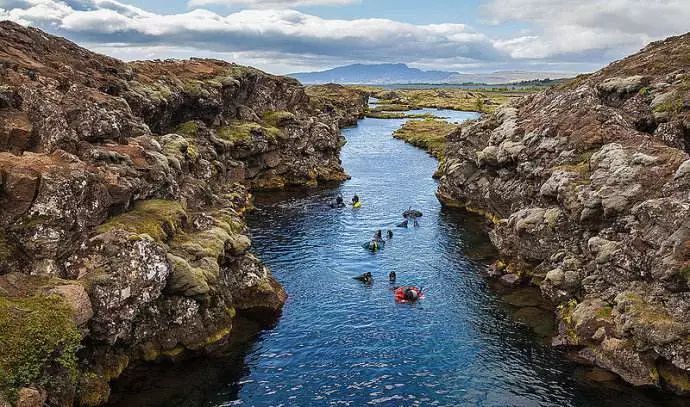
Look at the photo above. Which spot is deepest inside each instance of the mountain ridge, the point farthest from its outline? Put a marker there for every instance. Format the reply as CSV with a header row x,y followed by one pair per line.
x,y
400,73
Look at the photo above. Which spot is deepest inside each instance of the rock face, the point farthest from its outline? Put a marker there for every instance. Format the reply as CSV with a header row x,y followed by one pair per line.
x,y
587,187
122,193
346,104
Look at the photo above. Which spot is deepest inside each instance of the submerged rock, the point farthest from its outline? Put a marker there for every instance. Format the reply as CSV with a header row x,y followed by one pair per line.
x,y
587,187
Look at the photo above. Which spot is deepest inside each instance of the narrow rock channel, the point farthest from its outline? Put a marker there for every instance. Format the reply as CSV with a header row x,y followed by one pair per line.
x,y
341,341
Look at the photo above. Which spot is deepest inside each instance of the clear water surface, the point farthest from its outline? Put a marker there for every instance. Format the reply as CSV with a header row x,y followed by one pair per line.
x,y
340,342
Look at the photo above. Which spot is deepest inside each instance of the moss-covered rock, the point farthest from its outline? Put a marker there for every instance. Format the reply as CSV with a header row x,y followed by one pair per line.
x,y
429,134
649,321
278,119
157,218
180,147
38,338
239,131
93,390
188,129
196,257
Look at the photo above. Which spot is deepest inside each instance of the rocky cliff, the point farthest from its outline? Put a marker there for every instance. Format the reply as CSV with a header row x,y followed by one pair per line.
x,y
122,192
587,187
347,104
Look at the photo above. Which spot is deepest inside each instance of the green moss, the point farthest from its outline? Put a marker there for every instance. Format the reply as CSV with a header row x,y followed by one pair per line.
x,y
157,91
243,131
565,313
206,243
581,168
604,312
217,336
653,316
37,336
238,71
180,147
278,119
673,106
34,221
429,134
482,100
196,89
188,129
174,352
644,91
194,256
93,390
156,218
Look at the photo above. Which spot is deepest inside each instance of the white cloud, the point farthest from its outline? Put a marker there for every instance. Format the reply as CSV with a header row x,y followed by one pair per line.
x,y
567,34
272,3
585,28
286,33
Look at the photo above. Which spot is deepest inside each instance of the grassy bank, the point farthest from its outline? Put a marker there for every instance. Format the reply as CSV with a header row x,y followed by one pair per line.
x,y
478,100
429,134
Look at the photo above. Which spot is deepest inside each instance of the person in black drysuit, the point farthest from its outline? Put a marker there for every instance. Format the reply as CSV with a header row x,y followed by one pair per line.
x,y
366,278
410,214
339,202
392,277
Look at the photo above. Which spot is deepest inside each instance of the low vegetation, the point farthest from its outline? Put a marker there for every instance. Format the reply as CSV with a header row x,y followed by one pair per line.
x,y
479,100
38,338
400,115
429,134
157,218
243,131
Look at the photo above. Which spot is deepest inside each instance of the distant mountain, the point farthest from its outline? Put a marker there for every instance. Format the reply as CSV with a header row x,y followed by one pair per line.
x,y
386,74
373,74
501,77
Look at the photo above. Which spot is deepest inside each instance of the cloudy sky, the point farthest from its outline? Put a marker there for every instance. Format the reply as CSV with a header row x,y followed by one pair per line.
x,y
283,36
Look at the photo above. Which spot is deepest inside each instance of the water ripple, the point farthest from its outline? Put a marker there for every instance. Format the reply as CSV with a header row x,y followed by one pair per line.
x,y
343,343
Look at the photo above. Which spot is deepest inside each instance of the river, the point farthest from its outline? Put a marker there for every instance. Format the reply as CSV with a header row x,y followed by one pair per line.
x,y
340,342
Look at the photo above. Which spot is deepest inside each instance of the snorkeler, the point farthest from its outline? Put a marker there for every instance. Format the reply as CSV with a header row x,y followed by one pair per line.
x,y
339,202
411,214
366,278
408,294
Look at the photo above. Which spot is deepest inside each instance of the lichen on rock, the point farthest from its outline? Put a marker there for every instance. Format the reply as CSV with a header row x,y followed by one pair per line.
x,y
586,186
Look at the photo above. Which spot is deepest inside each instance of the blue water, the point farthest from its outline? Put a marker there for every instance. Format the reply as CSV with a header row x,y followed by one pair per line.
x,y
340,342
